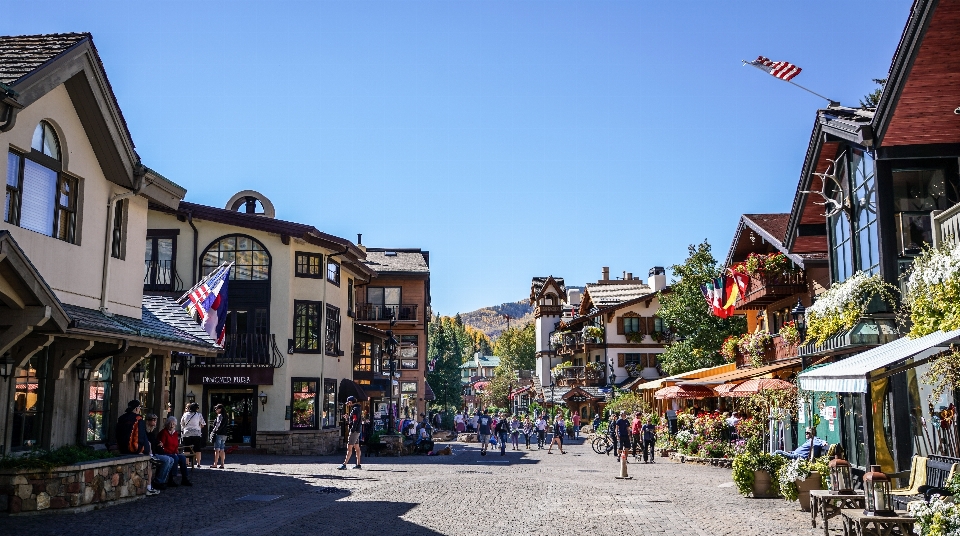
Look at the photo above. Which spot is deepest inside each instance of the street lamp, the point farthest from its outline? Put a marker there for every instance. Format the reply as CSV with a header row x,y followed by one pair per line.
x,y
390,348
191,398
613,376
799,314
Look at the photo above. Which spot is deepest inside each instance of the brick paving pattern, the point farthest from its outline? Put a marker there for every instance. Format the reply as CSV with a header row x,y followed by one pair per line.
x,y
523,493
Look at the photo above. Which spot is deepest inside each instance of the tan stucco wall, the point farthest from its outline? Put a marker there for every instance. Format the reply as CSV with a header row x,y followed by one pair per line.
x,y
74,270
284,290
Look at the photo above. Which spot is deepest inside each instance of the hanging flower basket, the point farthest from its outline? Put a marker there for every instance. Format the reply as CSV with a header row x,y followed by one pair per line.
x,y
842,306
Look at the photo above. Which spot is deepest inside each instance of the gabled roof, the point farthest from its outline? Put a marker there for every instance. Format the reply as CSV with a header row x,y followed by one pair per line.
x,y
398,261
607,294
352,254
485,361
540,284
768,228
22,279
32,65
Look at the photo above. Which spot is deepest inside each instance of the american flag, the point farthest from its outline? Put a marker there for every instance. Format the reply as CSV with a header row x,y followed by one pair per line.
x,y
206,302
781,69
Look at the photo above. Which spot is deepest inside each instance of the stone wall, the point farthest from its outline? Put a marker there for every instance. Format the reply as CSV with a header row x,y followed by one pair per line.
x,y
73,488
300,442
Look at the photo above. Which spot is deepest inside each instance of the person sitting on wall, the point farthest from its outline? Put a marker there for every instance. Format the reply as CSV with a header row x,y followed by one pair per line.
x,y
156,450
170,441
132,438
818,445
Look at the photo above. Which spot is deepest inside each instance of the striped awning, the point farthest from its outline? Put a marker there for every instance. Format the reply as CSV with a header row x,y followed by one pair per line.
x,y
853,374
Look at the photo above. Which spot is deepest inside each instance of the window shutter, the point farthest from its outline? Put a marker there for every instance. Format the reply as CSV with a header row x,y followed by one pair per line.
x,y
621,360
650,326
620,330
39,196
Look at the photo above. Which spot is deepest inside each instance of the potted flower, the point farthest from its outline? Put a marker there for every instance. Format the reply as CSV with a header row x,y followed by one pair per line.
x,y
842,305
754,471
789,333
728,349
593,332
941,516
798,477
753,346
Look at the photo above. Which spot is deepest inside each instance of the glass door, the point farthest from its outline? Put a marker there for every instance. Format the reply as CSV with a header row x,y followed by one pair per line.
x,y
239,408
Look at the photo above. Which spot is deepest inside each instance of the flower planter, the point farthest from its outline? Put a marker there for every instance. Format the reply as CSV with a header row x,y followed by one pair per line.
x,y
804,486
762,485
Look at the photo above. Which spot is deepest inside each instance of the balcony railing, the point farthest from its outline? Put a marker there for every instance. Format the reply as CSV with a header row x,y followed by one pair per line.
x,y
572,342
370,312
247,350
161,275
765,289
587,376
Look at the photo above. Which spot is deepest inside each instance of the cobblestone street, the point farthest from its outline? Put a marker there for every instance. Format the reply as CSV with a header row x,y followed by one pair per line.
x,y
464,494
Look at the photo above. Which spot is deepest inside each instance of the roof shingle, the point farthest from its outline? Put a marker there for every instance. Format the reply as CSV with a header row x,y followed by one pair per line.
x,y
397,260
22,54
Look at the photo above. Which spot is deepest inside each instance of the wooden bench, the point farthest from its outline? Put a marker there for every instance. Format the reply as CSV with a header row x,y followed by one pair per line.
x,y
187,452
939,471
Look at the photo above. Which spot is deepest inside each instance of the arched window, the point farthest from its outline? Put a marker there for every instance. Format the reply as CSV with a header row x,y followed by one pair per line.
x,y
45,141
39,196
251,260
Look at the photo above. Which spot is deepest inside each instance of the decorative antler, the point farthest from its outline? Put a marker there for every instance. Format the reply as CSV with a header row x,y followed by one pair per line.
x,y
836,206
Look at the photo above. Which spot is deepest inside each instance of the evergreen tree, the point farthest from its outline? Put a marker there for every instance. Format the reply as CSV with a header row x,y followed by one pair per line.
x,y
698,332
444,354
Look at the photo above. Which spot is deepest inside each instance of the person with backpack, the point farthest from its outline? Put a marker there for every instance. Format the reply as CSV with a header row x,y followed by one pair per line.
x,y
484,422
559,428
502,429
354,424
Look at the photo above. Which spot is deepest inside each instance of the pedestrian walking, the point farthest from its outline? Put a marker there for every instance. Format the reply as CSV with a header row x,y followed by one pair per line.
x,y
354,423
649,432
502,429
515,432
527,430
596,422
612,432
559,428
576,424
458,423
541,431
623,432
484,424
190,425
218,436
635,427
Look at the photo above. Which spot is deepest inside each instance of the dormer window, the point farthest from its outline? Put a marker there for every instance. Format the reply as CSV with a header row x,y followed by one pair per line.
x,y
39,195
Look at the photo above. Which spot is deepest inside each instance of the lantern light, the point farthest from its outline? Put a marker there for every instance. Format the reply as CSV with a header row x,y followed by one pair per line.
x,y
191,398
263,399
876,488
83,370
138,373
841,482
799,314
6,366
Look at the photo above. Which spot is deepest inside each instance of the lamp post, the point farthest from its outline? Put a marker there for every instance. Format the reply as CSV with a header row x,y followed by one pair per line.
x,y
390,348
613,376
6,370
799,314
83,375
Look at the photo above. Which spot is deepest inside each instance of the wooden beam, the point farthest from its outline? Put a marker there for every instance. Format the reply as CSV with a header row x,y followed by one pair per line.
x,y
21,323
65,352
129,359
28,346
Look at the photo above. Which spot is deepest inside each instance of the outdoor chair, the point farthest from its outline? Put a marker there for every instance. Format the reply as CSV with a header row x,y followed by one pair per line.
x,y
927,477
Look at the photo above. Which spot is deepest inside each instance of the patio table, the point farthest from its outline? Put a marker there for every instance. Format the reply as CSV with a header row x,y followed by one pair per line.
x,y
858,523
826,505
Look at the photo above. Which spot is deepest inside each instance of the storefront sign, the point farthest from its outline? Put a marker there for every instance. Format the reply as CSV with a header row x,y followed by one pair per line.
x,y
230,376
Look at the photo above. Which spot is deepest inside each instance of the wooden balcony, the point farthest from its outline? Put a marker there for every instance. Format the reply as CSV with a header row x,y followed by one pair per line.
x,y
581,376
574,343
370,312
768,288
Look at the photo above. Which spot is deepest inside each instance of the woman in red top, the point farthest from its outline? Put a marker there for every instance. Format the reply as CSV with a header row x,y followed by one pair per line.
x,y
635,430
170,444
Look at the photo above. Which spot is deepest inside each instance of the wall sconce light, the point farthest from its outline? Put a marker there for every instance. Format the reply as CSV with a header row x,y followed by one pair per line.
x,y
191,398
6,366
263,399
83,370
138,373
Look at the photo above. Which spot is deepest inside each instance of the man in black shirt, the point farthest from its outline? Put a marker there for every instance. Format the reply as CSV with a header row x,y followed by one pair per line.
x,y
623,432
354,424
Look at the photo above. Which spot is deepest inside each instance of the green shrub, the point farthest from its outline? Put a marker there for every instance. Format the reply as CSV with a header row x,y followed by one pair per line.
x,y
42,459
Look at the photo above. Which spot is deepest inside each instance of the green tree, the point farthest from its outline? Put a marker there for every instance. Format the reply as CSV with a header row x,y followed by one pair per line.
x,y
479,341
517,348
698,333
444,352
872,99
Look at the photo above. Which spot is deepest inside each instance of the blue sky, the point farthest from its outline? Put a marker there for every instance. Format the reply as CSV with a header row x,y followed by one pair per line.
x,y
510,139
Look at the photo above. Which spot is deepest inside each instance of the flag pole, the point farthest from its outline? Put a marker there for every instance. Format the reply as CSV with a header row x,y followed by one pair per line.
x,y
831,101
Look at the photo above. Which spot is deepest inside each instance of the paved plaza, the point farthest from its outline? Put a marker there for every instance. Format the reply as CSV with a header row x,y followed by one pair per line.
x,y
526,492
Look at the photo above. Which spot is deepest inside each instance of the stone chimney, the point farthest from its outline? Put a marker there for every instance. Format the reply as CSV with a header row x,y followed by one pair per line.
x,y
658,278
360,243
606,273
573,297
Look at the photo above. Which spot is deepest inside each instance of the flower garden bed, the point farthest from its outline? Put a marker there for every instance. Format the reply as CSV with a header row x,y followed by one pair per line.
x,y
74,488
716,462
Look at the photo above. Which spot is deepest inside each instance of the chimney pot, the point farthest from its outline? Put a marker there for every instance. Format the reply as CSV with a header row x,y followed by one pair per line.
x,y
606,273
629,276
359,239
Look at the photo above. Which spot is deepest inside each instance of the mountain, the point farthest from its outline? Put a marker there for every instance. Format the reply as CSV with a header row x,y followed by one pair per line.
x,y
490,320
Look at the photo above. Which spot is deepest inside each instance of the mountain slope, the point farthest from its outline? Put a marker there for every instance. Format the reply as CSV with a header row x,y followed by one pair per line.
x,y
490,320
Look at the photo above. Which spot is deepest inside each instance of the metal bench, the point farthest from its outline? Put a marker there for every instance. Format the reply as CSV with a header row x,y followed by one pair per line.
x,y
939,471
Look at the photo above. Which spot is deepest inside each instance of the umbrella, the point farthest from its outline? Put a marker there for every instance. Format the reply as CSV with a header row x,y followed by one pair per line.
x,y
724,389
755,385
684,391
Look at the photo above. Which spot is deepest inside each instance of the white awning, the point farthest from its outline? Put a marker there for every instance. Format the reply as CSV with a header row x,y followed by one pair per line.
x,y
852,374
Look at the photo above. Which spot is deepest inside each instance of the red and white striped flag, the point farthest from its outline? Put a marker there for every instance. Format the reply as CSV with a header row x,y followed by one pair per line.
x,y
780,69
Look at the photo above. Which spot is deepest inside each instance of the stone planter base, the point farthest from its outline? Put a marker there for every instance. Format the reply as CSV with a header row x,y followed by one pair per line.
x,y
74,488
300,442
716,462
392,445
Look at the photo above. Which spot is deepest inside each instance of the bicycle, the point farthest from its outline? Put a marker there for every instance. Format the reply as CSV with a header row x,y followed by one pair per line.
x,y
602,444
